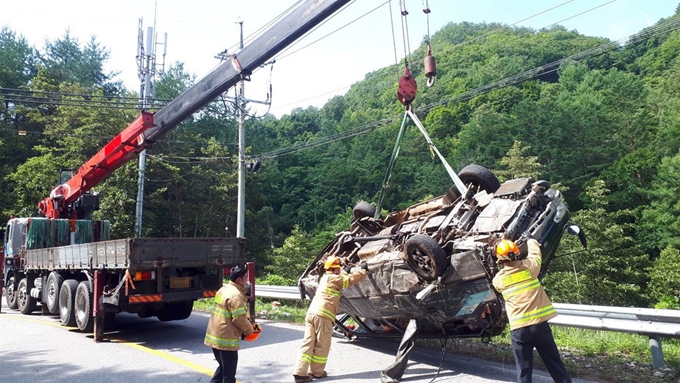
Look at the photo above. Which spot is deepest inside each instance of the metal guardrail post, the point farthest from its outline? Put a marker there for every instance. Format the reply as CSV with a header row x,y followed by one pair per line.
x,y
657,352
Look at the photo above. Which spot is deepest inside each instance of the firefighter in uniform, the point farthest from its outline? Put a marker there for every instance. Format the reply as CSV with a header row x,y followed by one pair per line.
x,y
529,309
320,318
228,323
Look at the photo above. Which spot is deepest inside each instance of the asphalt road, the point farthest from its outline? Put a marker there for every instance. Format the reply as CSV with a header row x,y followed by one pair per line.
x,y
35,348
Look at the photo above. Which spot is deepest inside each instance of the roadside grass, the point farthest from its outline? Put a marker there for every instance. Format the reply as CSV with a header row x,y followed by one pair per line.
x,y
603,356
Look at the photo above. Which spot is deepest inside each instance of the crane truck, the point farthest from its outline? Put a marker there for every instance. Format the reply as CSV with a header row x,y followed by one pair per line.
x,y
65,261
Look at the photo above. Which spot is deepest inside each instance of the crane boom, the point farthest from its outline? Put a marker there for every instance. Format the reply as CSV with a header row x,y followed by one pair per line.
x,y
148,127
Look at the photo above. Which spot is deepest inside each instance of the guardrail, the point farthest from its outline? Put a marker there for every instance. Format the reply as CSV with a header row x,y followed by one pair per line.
x,y
654,323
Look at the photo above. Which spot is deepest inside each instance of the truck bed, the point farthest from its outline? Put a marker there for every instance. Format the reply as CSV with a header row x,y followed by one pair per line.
x,y
138,254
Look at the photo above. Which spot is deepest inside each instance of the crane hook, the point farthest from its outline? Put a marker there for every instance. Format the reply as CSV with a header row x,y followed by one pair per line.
x,y
430,66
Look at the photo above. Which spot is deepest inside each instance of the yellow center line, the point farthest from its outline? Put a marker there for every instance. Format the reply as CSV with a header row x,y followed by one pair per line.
x,y
161,354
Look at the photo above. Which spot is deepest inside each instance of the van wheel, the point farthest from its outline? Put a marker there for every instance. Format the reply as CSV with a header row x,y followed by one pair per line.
x,y
11,294
475,177
425,257
25,301
67,297
54,282
83,307
363,209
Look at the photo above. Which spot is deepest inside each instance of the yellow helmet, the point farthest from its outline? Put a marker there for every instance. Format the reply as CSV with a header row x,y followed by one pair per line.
x,y
506,251
332,262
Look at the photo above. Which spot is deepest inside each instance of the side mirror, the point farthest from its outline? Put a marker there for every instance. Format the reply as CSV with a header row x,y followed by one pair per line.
x,y
576,230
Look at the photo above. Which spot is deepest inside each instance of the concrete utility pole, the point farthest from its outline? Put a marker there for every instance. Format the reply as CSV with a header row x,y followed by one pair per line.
x,y
146,56
241,102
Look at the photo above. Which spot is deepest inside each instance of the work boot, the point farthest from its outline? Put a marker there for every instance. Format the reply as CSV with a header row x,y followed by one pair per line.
x,y
322,375
302,378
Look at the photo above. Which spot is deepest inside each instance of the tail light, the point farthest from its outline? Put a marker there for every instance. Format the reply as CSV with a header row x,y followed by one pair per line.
x,y
144,276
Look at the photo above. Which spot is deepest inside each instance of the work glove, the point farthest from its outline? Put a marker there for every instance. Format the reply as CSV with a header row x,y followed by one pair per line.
x,y
364,266
347,269
257,328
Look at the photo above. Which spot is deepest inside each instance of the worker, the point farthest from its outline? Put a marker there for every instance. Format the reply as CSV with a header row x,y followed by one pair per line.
x,y
228,323
529,309
320,318
395,371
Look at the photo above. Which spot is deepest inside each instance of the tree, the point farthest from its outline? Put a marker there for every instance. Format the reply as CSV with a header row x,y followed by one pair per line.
x,y
660,223
292,258
612,271
517,165
664,282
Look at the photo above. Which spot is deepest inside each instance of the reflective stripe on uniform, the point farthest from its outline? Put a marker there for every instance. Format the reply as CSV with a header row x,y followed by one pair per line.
x,y
326,313
532,315
224,342
319,359
532,284
305,358
515,278
228,314
345,281
331,291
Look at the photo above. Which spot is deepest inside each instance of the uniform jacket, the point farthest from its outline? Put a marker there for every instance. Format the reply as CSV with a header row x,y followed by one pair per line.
x,y
327,298
526,303
228,320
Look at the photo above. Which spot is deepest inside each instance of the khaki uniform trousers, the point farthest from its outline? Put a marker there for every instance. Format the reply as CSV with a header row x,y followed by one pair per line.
x,y
315,346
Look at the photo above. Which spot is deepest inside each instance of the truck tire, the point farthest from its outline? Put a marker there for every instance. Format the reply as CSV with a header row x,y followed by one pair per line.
x,y
27,304
83,307
11,292
67,297
167,312
51,297
184,310
425,257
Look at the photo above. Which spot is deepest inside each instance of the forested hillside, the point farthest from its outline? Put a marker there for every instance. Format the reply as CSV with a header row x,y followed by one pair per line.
x,y
598,118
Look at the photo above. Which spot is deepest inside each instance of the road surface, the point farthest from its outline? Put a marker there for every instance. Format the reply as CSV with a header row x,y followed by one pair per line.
x,y
35,348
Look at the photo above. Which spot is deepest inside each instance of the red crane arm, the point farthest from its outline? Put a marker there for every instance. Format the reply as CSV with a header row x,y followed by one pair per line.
x,y
115,154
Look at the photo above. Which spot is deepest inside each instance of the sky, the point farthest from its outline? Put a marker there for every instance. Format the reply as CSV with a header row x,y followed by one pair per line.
x,y
361,38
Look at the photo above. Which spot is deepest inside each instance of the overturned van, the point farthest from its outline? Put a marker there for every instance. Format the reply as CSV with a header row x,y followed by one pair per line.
x,y
435,261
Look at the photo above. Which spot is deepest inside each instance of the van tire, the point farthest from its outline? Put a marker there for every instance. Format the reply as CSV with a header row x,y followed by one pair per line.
x,y
425,257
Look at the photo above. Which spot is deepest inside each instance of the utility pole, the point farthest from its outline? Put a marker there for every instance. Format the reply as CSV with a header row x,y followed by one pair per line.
x,y
147,69
241,104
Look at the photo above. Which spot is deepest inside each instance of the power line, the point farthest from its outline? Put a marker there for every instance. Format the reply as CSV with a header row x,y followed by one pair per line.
x,y
508,81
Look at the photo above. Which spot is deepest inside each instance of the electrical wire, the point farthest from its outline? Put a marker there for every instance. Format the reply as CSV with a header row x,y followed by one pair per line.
x,y
336,30
524,76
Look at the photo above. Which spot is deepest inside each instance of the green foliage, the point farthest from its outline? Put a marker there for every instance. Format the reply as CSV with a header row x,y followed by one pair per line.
x,y
612,271
661,219
613,118
664,282
294,256
517,165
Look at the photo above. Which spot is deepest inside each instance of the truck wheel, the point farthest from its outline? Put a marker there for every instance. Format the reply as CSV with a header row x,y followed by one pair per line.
x,y
184,310
67,297
11,294
167,312
25,301
425,257
83,307
54,282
